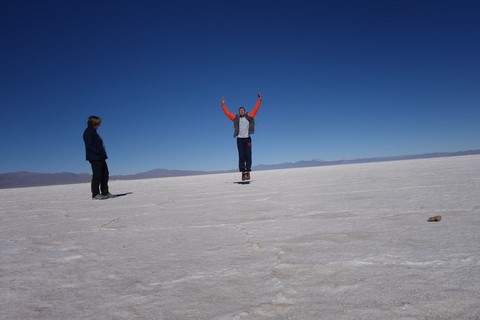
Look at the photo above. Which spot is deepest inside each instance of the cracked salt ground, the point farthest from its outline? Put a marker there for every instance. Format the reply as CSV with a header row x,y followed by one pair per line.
x,y
340,242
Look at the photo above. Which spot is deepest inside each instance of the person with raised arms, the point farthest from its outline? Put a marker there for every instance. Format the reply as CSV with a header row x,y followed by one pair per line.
x,y
244,127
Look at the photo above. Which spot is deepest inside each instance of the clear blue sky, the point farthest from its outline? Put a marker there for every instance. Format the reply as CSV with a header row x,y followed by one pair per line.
x,y
340,80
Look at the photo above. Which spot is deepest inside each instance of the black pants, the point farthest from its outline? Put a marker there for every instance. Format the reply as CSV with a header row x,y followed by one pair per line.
x,y
244,146
99,177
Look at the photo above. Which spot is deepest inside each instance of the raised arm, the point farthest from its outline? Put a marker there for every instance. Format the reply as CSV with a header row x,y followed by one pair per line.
x,y
230,115
253,113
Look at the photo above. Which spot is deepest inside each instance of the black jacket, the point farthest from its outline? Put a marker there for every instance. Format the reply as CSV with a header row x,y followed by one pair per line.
x,y
94,148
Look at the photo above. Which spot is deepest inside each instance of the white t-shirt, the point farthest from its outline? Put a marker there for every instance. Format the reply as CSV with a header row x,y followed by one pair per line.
x,y
243,129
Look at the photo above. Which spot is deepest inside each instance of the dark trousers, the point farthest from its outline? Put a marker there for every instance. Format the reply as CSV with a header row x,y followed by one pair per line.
x,y
244,146
100,176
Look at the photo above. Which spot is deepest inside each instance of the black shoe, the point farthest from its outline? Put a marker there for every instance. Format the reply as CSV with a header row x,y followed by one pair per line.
x,y
109,195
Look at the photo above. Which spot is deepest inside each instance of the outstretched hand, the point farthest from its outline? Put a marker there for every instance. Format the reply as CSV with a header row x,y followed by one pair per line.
x,y
223,101
259,96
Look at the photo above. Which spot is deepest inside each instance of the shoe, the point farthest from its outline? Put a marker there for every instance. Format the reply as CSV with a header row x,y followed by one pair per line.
x,y
244,176
99,197
247,175
109,195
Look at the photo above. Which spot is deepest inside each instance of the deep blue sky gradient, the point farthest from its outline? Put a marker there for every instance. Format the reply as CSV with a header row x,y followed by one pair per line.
x,y
340,79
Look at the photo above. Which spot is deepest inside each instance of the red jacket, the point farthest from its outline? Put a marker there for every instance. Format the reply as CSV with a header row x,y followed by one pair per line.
x,y
236,118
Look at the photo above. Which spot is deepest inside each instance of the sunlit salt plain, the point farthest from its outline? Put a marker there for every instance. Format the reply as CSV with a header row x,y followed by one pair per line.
x,y
337,242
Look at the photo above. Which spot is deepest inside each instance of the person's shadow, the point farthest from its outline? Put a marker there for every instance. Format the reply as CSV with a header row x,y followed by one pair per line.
x,y
242,182
122,194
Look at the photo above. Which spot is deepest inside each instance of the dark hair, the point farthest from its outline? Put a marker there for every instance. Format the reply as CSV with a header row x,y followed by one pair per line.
x,y
93,121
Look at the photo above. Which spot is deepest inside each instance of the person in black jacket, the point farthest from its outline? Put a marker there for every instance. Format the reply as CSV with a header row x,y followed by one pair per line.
x,y
97,156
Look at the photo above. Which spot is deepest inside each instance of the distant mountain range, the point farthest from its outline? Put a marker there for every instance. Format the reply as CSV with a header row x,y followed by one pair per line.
x,y
316,163
33,179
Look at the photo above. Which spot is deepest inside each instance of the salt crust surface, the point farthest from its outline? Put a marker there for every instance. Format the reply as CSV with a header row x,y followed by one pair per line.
x,y
338,242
